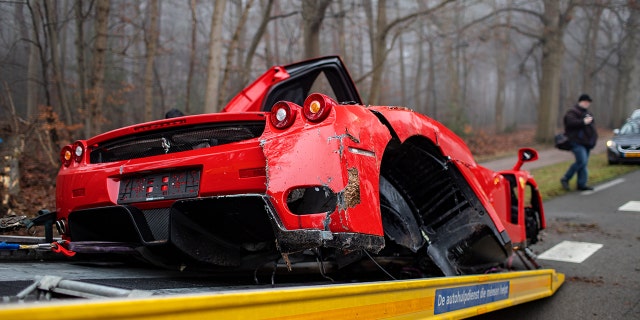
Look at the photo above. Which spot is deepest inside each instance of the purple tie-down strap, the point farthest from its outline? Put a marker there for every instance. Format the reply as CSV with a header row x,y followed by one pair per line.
x,y
102,246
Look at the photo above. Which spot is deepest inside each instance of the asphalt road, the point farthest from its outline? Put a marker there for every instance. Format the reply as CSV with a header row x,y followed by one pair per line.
x,y
606,285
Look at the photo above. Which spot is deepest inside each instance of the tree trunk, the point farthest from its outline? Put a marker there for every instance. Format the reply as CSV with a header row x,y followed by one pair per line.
x,y
552,55
213,66
272,49
418,82
63,30
313,12
590,48
82,72
235,79
379,52
262,29
10,152
40,45
453,83
403,76
151,47
500,87
622,105
432,92
97,73
50,8
192,53
224,86
502,59
342,33
10,175
32,64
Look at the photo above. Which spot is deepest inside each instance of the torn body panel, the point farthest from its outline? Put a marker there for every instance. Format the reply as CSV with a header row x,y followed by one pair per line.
x,y
408,123
459,227
323,156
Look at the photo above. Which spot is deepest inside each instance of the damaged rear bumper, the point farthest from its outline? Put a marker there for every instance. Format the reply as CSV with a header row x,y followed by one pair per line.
x,y
221,230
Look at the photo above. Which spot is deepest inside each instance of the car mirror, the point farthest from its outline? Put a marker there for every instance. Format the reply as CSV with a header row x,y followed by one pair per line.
x,y
616,131
525,155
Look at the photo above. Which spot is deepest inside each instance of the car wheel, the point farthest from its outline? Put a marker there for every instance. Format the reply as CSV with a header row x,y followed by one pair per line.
x,y
398,220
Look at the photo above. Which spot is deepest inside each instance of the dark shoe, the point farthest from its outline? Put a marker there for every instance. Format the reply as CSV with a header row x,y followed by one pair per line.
x,y
565,184
585,188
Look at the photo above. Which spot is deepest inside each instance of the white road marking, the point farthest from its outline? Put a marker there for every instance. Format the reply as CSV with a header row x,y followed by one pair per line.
x,y
570,251
603,186
630,206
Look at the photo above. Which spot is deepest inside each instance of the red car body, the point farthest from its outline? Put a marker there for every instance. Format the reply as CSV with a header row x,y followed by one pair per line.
x,y
283,171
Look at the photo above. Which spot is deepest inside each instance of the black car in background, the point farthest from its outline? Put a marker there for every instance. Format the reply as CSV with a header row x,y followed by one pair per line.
x,y
624,147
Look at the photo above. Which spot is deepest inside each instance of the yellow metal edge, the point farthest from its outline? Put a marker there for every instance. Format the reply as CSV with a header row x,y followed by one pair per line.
x,y
393,299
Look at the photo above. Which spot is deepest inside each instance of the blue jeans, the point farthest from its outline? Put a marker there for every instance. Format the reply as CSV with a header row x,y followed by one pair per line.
x,y
580,166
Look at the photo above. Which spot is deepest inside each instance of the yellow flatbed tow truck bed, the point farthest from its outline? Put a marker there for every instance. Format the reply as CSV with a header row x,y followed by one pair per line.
x,y
433,298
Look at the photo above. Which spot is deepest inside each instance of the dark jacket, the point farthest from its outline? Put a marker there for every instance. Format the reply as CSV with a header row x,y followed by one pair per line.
x,y
576,130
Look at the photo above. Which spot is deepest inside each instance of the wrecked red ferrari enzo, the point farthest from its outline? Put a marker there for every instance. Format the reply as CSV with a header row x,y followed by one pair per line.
x,y
296,168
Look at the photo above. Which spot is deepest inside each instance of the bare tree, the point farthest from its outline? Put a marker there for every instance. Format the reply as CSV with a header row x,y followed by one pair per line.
x,y
418,83
313,12
622,105
151,47
192,53
40,43
33,87
40,46
50,8
379,41
502,58
258,35
590,46
94,121
272,49
10,153
213,66
454,105
432,90
341,30
231,51
403,76
81,65
555,21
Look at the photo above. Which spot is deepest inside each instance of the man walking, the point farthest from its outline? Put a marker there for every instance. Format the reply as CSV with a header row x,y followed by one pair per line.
x,y
581,131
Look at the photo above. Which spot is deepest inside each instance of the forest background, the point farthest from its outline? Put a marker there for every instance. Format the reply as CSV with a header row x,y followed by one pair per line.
x,y
498,72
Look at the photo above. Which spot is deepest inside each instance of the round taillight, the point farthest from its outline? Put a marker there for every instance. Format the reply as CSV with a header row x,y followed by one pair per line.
x,y
283,114
78,151
317,107
65,156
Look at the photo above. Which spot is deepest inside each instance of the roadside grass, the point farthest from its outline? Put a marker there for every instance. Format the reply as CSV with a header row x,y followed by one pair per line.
x,y
548,178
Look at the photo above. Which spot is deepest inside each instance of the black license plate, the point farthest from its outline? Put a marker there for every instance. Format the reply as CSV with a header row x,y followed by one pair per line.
x,y
159,186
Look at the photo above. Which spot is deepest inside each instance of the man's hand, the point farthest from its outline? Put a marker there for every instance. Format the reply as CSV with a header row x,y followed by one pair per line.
x,y
588,119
